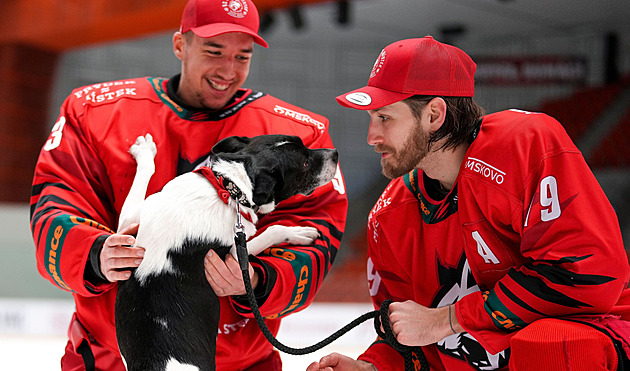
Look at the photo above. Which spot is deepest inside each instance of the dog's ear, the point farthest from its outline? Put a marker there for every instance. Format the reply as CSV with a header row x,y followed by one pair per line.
x,y
231,144
264,188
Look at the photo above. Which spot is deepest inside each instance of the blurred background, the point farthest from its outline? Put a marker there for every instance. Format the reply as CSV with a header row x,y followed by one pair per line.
x,y
567,58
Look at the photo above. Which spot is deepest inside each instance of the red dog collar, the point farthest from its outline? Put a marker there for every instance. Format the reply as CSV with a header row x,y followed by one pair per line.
x,y
222,184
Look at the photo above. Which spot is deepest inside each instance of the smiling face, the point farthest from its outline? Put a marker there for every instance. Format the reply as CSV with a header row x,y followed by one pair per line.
x,y
213,69
399,137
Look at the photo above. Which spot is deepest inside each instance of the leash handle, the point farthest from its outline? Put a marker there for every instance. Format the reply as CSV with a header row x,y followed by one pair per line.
x,y
413,355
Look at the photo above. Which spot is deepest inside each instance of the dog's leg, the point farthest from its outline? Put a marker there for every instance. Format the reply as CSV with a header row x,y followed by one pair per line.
x,y
144,151
277,234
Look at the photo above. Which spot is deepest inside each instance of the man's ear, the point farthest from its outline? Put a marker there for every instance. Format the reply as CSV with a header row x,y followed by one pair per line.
x,y
178,45
437,112
231,145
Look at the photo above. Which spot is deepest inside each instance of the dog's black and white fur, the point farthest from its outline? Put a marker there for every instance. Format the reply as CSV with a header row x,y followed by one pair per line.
x,y
167,314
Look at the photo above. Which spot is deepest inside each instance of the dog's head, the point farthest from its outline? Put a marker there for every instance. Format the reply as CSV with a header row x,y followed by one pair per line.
x,y
278,166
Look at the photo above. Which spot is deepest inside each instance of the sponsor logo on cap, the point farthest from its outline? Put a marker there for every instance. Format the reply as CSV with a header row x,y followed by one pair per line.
x,y
361,99
235,8
378,64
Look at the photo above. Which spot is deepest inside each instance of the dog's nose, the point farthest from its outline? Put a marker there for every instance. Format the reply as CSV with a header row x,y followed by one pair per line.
x,y
335,156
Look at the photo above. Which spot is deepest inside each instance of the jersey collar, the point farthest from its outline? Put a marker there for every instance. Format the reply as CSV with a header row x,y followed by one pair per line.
x,y
166,88
432,211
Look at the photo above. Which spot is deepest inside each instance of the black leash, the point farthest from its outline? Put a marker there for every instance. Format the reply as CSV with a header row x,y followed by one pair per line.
x,y
414,357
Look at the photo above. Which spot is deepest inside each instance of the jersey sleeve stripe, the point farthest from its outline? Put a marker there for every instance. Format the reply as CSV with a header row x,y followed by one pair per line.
x,y
565,277
539,288
514,298
57,201
334,231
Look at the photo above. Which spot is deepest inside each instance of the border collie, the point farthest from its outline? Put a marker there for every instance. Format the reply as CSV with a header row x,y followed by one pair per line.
x,y
167,314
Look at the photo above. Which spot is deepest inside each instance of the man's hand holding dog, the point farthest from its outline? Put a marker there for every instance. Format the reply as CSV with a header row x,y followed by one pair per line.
x,y
119,254
225,276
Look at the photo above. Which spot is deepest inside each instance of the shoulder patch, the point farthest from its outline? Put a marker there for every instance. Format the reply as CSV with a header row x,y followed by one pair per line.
x,y
107,91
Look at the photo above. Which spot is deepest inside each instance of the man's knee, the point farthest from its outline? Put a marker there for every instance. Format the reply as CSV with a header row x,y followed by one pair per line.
x,y
554,344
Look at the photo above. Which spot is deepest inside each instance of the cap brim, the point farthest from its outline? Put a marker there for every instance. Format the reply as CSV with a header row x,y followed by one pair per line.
x,y
369,97
215,29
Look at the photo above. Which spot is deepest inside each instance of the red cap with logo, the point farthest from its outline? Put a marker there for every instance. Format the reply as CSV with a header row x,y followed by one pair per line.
x,y
209,18
411,67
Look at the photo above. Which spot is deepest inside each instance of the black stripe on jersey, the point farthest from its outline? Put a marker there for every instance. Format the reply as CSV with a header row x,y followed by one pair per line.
x,y
317,262
565,277
41,230
334,232
57,201
37,190
514,298
330,249
537,287
568,259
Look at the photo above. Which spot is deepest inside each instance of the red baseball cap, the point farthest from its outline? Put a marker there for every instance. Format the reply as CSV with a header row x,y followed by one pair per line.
x,y
411,67
209,18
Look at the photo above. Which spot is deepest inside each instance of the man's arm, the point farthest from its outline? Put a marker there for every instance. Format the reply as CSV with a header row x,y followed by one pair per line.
x,y
70,208
575,259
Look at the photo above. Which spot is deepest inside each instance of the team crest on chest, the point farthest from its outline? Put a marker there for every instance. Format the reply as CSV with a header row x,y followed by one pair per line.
x,y
455,283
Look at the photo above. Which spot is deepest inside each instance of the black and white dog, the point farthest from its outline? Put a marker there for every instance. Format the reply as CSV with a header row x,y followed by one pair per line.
x,y
167,314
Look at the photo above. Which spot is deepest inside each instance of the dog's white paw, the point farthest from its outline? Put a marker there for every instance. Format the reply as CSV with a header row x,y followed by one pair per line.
x,y
143,147
300,235
278,234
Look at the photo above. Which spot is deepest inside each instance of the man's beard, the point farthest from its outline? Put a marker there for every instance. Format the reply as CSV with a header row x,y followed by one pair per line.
x,y
401,162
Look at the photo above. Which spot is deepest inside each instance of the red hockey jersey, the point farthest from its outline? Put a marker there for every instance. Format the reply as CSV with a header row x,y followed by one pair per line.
x,y
525,233
85,171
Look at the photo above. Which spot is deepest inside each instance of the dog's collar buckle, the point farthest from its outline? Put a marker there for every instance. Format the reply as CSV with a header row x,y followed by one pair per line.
x,y
223,193
226,189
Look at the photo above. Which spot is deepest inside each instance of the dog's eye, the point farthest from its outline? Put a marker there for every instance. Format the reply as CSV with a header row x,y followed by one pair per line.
x,y
305,163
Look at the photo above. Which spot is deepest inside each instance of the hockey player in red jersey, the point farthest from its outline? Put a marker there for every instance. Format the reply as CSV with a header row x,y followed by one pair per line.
x,y
84,173
494,240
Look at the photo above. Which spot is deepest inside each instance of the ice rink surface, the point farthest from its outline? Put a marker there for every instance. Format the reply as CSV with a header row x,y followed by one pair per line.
x,y
32,333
